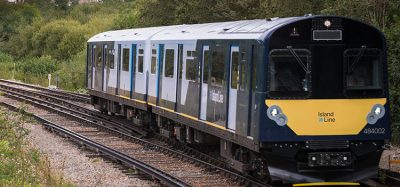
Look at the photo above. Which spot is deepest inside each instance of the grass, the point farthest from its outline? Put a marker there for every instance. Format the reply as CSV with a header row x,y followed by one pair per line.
x,y
21,165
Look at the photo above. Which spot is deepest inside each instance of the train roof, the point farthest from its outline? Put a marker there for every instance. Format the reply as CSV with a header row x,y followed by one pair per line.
x,y
245,29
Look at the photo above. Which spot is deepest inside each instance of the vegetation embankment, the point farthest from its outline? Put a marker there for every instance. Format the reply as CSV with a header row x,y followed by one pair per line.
x,y
20,164
39,37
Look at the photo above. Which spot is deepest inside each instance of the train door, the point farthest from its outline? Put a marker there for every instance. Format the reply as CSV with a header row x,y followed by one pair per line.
x,y
217,85
98,68
154,78
132,69
106,69
118,70
89,66
243,93
140,74
168,77
233,86
124,71
204,81
179,79
93,70
111,74
188,87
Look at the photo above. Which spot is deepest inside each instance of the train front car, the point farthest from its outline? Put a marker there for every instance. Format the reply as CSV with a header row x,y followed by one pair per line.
x,y
326,108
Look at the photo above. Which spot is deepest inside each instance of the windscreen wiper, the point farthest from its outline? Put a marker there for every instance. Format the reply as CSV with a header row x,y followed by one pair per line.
x,y
357,59
298,59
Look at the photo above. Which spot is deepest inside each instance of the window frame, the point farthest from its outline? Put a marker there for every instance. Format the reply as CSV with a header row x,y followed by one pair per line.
x,y
243,71
191,55
167,64
233,79
111,61
206,64
218,65
98,51
153,63
355,91
125,62
308,76
140,60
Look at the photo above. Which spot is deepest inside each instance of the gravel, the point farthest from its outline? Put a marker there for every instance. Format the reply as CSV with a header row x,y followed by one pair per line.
x,y
75,166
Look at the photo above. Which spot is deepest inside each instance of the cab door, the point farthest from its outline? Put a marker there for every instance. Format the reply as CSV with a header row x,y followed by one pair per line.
x,y
233,86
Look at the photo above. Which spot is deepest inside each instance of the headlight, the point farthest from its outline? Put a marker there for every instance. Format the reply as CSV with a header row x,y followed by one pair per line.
x,y
327,23
275,113
377,112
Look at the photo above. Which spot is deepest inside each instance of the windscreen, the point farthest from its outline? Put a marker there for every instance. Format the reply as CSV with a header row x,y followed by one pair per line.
x,y
289,73
364,71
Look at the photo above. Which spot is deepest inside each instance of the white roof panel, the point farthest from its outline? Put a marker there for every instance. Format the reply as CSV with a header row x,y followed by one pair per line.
x,y
245,29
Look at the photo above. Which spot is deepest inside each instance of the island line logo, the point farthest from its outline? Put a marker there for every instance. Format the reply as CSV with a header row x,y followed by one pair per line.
x,y
326,117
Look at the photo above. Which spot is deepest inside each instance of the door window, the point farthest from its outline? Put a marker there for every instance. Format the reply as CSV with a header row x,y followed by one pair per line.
x,y
169,62
153,61
140,60
125,59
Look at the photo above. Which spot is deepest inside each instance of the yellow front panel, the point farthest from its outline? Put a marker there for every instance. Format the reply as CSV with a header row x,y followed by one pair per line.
x,y
315,117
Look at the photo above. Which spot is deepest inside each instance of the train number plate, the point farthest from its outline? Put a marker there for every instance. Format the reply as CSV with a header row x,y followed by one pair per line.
x,y
374,131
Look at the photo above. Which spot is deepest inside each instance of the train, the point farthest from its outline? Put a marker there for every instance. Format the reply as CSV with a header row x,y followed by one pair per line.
x,y
303,99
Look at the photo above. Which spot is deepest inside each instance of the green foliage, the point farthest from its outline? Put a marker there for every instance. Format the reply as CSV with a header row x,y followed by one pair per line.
x,y
72,74
393,37
59,39
46,31
5,58
13,17
126,21
21,165
37,66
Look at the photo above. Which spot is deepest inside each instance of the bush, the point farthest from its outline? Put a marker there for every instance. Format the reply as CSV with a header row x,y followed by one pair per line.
x,y
5,58
37,65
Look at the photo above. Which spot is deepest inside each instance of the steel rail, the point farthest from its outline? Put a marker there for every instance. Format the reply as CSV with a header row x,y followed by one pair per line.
x,y
62,93
38,102
73,108
128,161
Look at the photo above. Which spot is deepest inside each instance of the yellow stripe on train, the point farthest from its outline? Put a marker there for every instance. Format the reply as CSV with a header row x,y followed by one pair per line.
x,y
313,117
328,184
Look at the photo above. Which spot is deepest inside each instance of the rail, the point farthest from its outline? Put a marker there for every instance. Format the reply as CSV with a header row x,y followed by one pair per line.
x,y
45,104
60,93
165,178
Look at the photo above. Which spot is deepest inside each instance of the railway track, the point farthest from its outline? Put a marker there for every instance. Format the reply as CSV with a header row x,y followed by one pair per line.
x,y
71,96
115,139
391,178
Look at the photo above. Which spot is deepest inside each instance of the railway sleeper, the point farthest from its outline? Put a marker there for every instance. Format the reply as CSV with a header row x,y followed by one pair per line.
x,y
236,157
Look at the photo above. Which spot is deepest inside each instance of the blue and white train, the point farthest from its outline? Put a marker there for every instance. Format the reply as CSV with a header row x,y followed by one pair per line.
x,y
300,98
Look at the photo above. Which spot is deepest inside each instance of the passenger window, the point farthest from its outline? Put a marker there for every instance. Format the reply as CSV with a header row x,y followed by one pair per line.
x,y
180,60
105,57
218,67
125,59
140,61
206,65
243,72
98,56
169,63
153,61
110,58
235,70
191,65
